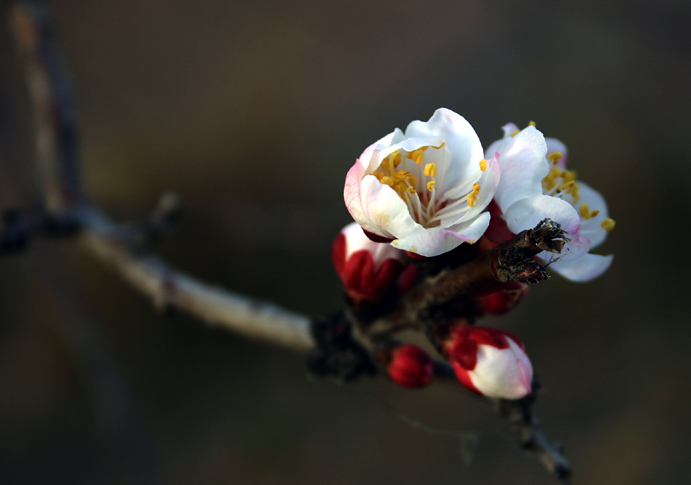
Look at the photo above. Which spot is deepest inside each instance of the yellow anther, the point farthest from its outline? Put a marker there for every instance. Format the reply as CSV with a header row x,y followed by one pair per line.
x,y
417,155
411,179
572,188
483,164
594,213
476,188
531,123
584,211
440,146
411,189
379,175
396,158
431,170
554,172
549,184
554,157
515,133
430,185
608,224
569,175
472,199
386,180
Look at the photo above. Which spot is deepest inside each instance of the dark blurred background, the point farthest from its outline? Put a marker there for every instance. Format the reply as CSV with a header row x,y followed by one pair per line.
x,y
253,111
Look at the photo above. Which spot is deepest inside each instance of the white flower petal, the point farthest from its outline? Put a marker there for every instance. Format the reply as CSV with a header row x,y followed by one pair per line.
x,y
592,228
523,166
386,213
488,180
502,373
473,230
510,129
461,141
428,242
527,213
586,268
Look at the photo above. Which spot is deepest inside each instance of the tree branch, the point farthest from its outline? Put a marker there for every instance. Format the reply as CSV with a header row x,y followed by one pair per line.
x,y
115,245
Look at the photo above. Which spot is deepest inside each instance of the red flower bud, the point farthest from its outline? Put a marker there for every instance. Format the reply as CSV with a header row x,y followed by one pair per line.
x,y
410,366
504,300
490,362
367,269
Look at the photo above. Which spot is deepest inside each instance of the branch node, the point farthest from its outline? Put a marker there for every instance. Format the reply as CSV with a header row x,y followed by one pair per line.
x,y
336,352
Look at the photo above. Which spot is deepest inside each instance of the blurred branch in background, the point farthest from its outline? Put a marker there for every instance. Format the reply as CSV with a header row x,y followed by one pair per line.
x,y
126,247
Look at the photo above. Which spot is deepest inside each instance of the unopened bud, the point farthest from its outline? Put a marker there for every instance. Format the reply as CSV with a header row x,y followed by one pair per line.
x,y
490,362
367,269
410,366
504,300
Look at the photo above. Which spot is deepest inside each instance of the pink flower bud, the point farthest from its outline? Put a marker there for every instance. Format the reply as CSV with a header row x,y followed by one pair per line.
x,y
491,362
504,300
410,366
367,269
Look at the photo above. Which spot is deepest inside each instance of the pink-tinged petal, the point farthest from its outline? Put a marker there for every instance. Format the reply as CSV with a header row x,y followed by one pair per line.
x,y
583,269
592,228
461,140
554,145
428,242
505,374
523,166
351,195
471,231
386,213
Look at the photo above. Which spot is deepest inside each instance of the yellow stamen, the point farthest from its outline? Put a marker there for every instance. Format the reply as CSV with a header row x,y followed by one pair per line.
x,y
554,157
430,185
386,180
417,155
476,188
411,190
472,199
569,175
483,164
531,123
594,213
379,175
515,133
584,211
572,189
431,170
549,184
608,224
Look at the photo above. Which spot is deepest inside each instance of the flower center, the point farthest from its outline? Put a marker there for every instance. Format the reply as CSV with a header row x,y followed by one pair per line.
x,y
418,183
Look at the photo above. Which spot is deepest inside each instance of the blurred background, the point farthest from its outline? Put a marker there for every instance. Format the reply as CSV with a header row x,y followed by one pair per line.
x,y
253,111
